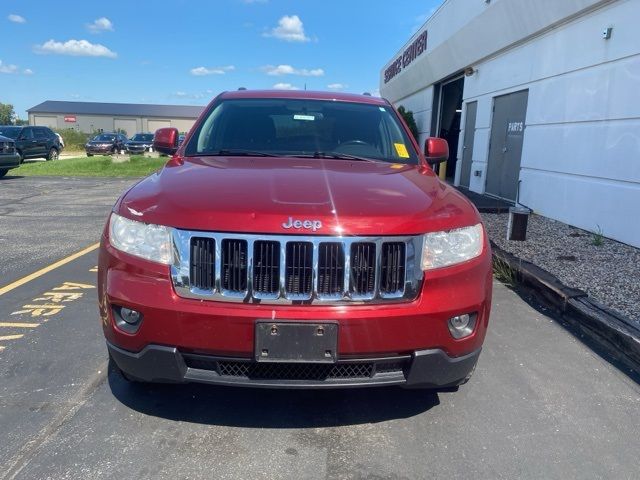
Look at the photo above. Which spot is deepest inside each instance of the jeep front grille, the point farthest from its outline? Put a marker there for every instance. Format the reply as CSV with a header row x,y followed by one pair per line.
x,y
296,269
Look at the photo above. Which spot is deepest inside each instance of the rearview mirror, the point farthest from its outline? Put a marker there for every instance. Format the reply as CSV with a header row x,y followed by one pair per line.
x,y
166,141
436,150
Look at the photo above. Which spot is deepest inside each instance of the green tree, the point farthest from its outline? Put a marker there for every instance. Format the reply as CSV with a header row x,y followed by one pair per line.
x,y
407,115
7,115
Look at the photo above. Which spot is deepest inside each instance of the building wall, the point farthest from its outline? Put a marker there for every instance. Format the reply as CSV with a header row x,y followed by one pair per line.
x,y
580,160
92,123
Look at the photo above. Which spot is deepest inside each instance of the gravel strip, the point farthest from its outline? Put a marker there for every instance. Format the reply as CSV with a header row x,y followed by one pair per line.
x,y
609,273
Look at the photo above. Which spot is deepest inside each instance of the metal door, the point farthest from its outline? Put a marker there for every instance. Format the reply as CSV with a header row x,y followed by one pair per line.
x,y
467,147
505,149
127,125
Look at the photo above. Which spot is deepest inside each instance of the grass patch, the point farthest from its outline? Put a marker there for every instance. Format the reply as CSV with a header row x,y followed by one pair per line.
x,y
503,272
100,166
598,237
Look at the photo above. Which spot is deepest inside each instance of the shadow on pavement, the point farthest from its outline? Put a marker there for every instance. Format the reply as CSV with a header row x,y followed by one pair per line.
x,y
263,408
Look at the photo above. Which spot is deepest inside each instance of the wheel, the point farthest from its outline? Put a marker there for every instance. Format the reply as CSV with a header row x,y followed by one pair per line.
x,y
89,154
53,154
21,156
3,172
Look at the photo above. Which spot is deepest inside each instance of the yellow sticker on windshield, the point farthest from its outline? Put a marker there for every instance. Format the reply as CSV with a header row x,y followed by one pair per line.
x,y
401,150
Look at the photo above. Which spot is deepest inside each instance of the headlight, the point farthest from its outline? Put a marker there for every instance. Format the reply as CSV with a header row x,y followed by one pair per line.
x,y
152,242
442,249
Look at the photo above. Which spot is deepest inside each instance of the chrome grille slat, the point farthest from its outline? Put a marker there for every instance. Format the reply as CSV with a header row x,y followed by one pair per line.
x,y
286,269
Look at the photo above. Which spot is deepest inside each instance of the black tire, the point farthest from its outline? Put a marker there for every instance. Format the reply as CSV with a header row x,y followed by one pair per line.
x,y
89,154
53,154
3,172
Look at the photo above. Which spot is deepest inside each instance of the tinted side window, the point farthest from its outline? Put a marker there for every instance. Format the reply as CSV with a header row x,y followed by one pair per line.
x,y
40,133
27,134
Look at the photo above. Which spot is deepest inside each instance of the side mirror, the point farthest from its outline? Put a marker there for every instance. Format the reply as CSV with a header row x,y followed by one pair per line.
x,y
436,150
166,141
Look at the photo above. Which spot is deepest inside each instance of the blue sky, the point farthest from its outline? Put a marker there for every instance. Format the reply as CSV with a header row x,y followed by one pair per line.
x,y
187,51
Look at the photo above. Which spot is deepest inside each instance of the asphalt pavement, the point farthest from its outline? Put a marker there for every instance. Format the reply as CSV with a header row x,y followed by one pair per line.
x,y
540,405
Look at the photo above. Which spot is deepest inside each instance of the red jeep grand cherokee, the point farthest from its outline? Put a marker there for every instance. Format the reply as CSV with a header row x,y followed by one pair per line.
x,y
295,239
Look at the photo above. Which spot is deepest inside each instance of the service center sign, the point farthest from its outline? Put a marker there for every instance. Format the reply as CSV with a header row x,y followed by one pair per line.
x,y
70,119
412,52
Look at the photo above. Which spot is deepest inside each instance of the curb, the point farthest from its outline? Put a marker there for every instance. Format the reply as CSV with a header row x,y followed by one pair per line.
x,y
615,333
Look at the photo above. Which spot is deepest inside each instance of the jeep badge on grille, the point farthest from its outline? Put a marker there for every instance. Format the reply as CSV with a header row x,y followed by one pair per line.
x,y
312,225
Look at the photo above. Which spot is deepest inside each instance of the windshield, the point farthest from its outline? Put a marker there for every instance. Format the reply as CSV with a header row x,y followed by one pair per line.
x,y
11,132
142,137
294,127
104,138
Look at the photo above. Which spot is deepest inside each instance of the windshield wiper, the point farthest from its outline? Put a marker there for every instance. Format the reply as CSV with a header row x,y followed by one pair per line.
x,y
338,156
239,153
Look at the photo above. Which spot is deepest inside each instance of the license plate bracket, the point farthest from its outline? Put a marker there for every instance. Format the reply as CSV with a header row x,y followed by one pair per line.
x,y
296,342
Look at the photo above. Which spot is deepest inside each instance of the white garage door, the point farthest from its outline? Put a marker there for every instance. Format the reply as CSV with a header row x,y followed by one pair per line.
x,y
156,124
127,125
45,121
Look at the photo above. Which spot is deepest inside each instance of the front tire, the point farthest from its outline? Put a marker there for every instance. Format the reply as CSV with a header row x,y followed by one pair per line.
x,y
89,154
3,172
52,155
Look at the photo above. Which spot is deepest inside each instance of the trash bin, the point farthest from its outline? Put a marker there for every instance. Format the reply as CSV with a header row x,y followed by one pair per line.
x,y
517,225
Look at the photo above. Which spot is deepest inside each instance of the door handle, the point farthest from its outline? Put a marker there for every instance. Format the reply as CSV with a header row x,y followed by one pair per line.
x,y
504,149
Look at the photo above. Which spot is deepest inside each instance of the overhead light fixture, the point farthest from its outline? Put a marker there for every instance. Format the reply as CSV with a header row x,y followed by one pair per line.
x,y
469,71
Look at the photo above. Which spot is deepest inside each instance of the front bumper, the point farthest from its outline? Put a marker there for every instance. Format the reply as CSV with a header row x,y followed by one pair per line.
x,y
136,148
99,150
11,160
422,369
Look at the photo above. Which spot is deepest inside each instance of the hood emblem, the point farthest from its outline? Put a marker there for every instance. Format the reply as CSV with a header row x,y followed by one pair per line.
x,y
312,225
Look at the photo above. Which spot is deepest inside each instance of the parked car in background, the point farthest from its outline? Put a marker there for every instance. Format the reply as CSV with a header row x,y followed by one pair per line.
x,y
139,143
33,142
8,157
60,140
105,144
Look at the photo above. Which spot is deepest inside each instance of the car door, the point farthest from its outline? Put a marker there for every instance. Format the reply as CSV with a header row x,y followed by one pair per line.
x,y
26,143
42,142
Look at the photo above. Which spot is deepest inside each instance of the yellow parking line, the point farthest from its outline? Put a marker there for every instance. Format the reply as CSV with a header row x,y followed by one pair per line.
x,y
19,325
11,337
42,271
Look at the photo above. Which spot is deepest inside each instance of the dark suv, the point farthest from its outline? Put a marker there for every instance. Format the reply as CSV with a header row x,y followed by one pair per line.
x,y
8,157
33,142
105,144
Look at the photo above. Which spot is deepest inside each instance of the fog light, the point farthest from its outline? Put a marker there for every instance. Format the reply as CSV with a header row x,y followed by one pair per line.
x,y
130,316
462,326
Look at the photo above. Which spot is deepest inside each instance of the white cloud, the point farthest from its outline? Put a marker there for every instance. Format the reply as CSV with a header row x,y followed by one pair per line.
x,y
285,86
289,29
102,24
75,48
337,86
8,68
201,71
280,70
16,18
27,71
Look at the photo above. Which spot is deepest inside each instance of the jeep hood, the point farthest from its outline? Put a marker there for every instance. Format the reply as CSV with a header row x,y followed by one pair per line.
x,y
260,194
